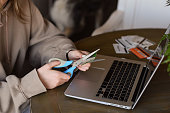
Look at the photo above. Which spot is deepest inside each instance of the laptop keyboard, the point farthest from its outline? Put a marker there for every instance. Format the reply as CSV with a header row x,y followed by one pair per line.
x,y
119,81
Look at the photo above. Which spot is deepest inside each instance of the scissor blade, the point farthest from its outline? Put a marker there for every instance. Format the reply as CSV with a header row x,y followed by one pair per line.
x,y
168,30
97,60
90,60
91,54
84,59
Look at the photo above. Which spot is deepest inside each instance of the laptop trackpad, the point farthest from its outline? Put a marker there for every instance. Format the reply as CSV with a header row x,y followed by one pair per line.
x,y
93,74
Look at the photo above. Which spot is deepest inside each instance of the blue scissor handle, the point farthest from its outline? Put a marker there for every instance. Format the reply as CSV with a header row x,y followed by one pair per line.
x,y
67,63
70,71
63,63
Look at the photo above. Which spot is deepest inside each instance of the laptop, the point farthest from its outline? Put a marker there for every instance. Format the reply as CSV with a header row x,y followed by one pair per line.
x,y
115,81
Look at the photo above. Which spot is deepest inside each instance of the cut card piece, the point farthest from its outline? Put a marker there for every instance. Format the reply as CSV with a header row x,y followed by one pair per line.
x,y
146,44
119,49
139,53
133,39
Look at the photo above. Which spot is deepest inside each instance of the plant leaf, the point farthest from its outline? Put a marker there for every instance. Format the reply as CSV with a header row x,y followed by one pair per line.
x,y
168,69
167,60
167,51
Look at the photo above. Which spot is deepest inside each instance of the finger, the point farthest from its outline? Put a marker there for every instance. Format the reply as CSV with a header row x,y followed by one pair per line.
x,y
62,81
64,76
85,52
75,55
86,66
81,53
52,64
83,68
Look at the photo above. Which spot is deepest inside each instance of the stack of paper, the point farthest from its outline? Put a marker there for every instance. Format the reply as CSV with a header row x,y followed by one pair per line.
x,y
125,43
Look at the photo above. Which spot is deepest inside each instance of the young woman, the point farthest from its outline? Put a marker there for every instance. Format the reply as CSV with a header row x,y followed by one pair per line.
x,y
25,34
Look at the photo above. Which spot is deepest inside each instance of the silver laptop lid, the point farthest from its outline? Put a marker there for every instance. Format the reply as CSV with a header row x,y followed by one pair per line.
x,y
156,58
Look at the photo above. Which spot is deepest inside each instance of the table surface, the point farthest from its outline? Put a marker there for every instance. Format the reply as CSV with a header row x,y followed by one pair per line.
x,y
156,98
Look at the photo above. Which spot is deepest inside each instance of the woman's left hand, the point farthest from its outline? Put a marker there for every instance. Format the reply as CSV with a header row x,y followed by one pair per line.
x,y
77,54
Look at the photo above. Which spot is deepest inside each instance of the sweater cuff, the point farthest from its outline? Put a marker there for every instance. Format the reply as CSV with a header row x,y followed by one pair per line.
x,y
31,84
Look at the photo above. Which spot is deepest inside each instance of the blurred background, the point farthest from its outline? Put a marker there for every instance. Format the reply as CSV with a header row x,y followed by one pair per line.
x,y
79,18
82,18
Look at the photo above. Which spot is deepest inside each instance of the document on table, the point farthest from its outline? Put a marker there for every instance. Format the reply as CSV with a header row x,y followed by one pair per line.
x,y
119,49
125,43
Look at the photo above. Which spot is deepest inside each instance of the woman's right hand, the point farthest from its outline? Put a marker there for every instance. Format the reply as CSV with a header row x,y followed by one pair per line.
x,y
52,78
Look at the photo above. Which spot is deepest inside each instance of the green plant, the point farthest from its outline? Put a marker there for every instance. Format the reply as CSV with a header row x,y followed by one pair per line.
x,y
167,54
168,48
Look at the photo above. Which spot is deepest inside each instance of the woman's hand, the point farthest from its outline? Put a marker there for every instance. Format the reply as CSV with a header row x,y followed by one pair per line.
x,y
77,54
52,78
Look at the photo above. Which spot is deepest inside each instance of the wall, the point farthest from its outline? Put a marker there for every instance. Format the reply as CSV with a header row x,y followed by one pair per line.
x,y
145,13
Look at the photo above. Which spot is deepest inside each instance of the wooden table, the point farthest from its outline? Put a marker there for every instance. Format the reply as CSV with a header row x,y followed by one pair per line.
x,y
156,98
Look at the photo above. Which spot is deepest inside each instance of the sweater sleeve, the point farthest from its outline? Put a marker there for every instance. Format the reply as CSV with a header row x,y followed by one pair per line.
x,y
46,40
14,92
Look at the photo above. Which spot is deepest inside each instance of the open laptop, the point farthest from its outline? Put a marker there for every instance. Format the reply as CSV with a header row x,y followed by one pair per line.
x,y
116,81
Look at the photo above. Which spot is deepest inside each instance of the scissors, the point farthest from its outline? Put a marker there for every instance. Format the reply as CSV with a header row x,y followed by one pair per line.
x,y
86,59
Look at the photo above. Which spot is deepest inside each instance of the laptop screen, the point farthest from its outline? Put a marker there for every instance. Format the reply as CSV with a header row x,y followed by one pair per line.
x,y
155,59
159,52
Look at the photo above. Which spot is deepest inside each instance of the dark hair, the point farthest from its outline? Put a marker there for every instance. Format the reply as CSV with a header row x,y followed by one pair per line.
x,y
84,8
